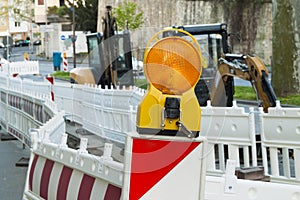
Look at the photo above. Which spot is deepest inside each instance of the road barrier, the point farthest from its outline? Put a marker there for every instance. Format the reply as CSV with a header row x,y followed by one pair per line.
x,y
38,122
107,113
280,140
20,68
230,132
23,109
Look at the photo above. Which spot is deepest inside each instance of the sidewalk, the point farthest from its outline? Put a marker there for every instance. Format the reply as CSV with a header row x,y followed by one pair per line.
x,y
12,178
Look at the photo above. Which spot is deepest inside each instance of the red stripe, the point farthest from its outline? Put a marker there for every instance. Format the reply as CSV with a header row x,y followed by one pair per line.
x,y
86,187
152,160
45,178
112,193
63,183
32,168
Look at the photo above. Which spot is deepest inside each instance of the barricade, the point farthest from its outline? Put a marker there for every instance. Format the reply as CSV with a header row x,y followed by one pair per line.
x,y
114,113
233,188
21,68
281,143
75,173
65,61
229,131
105,112
22,108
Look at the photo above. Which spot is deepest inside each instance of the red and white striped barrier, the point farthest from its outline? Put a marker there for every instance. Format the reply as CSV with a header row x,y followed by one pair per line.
x,y
164,168
53,180
65,61
152,166
51,80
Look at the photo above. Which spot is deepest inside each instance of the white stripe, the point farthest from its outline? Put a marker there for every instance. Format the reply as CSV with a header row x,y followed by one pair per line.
x,y
184,176
74,185
54,179
37,174
99,189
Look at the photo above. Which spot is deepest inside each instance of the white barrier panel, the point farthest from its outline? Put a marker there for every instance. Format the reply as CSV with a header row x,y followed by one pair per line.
x,y
36,87
22,109
224,188
63,96
281,143
229,131
52,130
105,112
3,80
21,68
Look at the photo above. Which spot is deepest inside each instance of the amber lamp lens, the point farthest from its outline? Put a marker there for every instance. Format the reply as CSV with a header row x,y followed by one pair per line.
x,y
173,65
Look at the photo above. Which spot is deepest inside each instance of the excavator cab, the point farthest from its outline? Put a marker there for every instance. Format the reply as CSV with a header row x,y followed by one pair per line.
x,y
120,57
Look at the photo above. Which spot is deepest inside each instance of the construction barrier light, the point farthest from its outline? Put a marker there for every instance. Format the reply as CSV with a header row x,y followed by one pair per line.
x,y
172,66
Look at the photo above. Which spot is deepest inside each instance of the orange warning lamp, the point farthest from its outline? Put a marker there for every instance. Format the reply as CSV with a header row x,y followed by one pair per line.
x,y
172,66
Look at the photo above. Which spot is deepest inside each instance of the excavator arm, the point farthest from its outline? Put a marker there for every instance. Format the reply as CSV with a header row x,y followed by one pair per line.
x,y
249,68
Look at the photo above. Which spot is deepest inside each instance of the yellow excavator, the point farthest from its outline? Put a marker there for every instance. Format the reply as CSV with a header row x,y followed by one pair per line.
x,y
220,67
109,54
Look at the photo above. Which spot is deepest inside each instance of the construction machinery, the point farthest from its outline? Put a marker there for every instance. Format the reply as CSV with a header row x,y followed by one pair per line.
x,y
220,67
110,63
109,54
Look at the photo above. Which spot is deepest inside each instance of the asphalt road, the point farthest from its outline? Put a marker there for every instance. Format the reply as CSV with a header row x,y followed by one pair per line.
x,y
12,178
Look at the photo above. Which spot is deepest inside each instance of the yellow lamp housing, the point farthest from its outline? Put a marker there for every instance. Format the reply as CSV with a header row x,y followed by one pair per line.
x,y
173,67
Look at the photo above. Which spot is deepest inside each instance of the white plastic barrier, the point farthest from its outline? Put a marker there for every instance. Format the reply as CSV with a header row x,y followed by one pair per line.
x,y
21,68
58,171
52,130
22,109
229,131
63,96
112,113
42,87
229,187
105,112
281,143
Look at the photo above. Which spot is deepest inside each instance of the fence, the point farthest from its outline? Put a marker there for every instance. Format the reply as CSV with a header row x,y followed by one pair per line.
x,y
107,113
23,108
112,113
229,131
281,143
20,68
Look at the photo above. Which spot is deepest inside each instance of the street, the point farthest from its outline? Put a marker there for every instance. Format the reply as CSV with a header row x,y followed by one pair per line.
x,y
12,178
46,66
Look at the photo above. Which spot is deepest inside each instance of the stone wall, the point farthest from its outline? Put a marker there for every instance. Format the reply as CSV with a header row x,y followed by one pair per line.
x,y
249,20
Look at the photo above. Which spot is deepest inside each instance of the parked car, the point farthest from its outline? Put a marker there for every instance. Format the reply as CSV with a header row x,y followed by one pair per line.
x,y
2,45
21,43
37,42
